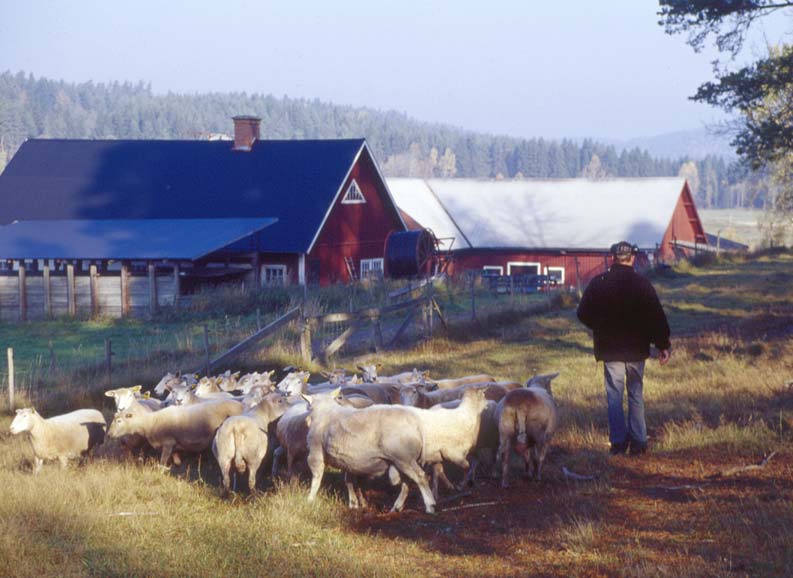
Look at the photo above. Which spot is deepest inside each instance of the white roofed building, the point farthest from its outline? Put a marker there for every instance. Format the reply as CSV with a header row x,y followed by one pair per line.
x,y
563,227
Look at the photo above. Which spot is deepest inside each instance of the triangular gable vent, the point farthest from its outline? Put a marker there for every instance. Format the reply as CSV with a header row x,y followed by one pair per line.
x,y
353,194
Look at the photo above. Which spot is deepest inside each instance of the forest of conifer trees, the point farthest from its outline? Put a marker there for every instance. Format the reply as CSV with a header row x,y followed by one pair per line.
x,y
40,108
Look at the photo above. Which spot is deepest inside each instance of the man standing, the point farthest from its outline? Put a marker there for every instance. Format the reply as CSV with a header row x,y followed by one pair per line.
x,y
623,312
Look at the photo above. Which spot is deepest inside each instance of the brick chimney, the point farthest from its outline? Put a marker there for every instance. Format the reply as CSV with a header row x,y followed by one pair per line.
x,y
246,132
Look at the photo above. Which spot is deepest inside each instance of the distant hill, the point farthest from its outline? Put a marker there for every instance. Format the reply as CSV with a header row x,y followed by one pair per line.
x,y
690,144
42,108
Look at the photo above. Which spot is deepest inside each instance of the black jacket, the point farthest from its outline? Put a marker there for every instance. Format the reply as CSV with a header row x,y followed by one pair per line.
x,y
623,312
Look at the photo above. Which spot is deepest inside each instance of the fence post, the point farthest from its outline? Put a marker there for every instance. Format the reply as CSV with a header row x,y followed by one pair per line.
x,y
578,279
206,349
305,341
258,319
109,361
512,290
473,297
11,377
23,291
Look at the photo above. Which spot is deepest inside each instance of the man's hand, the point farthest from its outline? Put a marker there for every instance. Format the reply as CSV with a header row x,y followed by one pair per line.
x,y
664,355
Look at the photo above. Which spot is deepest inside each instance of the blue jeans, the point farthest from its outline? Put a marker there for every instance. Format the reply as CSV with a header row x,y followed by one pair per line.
x,y
620,374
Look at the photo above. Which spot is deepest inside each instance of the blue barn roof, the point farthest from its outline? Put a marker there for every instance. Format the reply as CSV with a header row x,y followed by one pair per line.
x,y
181,239
293,181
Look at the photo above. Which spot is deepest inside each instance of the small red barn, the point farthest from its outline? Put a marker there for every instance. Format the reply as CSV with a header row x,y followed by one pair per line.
x,y
562,228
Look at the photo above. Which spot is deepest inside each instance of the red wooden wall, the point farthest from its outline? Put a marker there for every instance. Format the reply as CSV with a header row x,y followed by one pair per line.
x,y
685,225
353,230
589,263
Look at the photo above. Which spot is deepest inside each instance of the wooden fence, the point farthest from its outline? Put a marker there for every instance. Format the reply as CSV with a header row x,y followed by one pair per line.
x,y
33,295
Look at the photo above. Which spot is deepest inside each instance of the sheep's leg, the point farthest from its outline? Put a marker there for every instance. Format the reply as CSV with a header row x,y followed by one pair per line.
x,y
277,453
352,496
504,454
316,464
253,469
361,498
470,475
396,480
37,464
415,473
540,459
177,459
165,454
64,461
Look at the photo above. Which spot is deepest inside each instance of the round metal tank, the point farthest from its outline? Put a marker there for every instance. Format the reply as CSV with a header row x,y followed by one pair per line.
x,y
408,253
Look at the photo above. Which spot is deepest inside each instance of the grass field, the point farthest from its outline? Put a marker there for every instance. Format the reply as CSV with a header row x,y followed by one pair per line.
x,y
724,401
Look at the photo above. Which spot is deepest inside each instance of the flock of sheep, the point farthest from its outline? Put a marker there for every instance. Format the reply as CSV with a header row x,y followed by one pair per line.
x,y
403,426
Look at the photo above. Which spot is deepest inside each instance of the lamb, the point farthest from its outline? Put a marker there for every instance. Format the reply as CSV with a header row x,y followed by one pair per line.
x,y
527,419
190,428
242,440
291,430
126,397
61,437
419,396
458,381
366,442
127,400
486,442
369,372
251,381
451,434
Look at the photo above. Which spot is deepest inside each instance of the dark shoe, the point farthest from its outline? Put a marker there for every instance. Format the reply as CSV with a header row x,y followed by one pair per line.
x,y
637,448
617,449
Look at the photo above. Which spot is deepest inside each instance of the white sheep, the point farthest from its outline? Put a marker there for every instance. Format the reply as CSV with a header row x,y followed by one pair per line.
x,y
452,383
190,428
242,440
367,443
291,430
450,435
60,437
527,419
417,395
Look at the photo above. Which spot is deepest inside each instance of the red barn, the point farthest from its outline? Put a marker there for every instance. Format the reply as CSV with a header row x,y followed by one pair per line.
x,y
562,228
329,205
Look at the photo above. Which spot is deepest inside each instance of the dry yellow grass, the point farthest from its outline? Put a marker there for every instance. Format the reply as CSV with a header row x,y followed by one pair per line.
x,y
723,401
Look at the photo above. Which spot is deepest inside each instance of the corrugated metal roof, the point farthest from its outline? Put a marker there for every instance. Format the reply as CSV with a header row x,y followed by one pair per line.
x,y
415,197
183,239
294,181
564,213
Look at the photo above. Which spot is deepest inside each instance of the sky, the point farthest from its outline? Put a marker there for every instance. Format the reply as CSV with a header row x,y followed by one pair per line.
x,y
579,68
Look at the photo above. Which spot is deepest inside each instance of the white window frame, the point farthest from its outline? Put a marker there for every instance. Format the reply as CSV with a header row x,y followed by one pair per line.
x,y
366,268
353,195
274,267
511,264
560,269
498,268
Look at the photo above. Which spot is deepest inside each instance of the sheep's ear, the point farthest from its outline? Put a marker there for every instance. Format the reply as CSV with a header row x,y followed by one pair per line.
x,y
306,376
337,393
361,368
20,411
325,374
111,393
136,388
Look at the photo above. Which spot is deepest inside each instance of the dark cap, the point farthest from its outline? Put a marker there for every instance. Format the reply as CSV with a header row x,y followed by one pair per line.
x,y
623,249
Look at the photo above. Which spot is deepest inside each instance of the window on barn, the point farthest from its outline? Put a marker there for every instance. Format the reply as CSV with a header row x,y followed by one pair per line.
x,y
371,268
353,195
492,270
556,273
274,275
523,268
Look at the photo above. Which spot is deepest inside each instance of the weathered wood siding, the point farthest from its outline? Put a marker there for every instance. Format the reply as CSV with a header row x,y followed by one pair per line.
x,y
108,296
